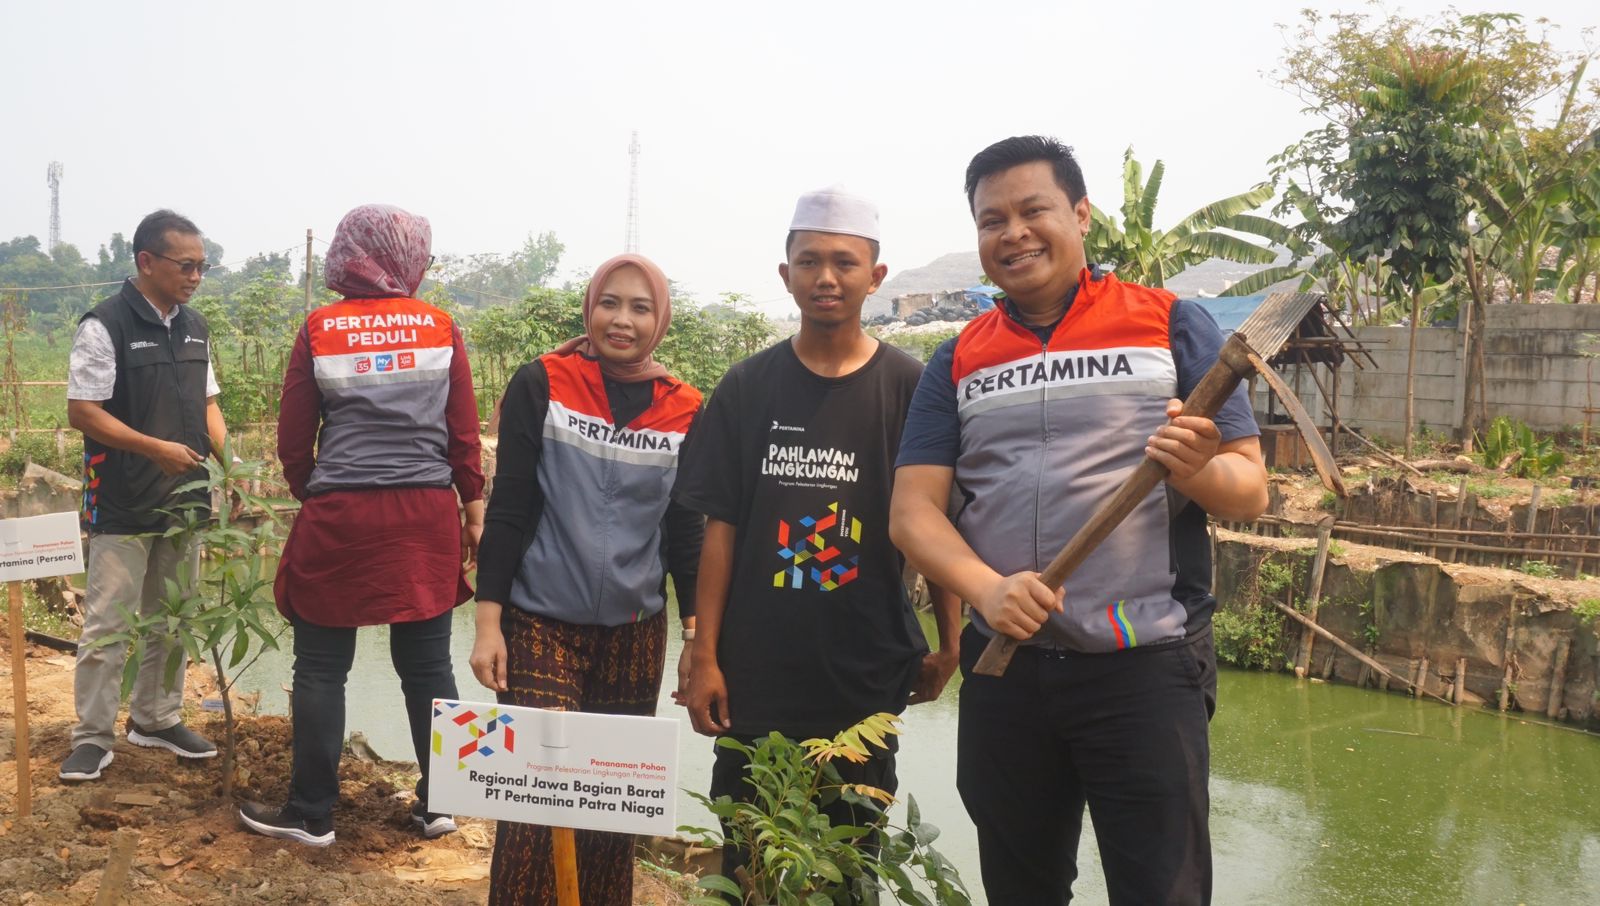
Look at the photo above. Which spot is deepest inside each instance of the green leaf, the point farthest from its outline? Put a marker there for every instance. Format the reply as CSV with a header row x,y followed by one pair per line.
x,y
721,884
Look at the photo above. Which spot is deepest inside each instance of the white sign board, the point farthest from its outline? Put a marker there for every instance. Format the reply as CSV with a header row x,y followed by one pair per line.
x,y
600,772
38,546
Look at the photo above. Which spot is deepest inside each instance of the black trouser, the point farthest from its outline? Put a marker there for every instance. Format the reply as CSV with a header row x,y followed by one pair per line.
x,y
1124,733
322,658
729,776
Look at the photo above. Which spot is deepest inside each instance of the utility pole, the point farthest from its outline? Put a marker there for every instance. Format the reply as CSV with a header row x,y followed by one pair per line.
x,y
309,274
631,241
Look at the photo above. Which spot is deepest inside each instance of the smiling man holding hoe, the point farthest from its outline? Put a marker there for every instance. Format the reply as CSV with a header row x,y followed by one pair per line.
x,y
1034,415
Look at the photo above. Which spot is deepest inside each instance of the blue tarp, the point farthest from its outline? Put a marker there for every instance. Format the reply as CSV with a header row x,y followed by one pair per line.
x,y
1230,312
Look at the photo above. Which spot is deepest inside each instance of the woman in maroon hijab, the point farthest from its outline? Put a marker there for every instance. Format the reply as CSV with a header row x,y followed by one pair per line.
x,y
580,538
378,437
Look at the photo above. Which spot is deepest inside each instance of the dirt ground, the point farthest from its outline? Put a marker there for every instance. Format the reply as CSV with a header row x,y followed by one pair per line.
x,y
191,847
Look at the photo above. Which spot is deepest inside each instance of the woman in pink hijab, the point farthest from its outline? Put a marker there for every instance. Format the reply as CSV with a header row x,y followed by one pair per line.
x,y
378,437
579,539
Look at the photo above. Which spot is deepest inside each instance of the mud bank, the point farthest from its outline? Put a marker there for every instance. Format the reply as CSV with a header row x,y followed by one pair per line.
x,y
1530,640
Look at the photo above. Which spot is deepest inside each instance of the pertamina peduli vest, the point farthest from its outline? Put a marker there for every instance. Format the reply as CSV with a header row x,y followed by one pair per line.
x,y
160,391
383,368
1049,431
596,557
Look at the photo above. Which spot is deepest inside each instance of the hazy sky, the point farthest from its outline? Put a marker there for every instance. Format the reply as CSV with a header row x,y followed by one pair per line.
x,y
494,119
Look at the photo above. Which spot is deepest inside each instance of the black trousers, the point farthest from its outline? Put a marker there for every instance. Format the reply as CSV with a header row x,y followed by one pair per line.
x,y
420,652
1124,733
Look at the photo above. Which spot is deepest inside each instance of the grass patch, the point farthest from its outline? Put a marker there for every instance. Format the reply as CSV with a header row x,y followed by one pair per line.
x,y
40,618
1587,609
1539,569
1489,490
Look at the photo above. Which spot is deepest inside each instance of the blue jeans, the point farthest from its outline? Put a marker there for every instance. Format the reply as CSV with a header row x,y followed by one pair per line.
x,y
322,657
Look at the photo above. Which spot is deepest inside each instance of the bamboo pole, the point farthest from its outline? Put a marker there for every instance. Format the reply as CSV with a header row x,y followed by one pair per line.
x,y
1382,452
1319,565
1460,686
19,700
1346,647
1505,682
1558,679
1421,684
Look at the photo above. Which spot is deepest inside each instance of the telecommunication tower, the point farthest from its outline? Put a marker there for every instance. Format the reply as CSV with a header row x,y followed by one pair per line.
x,y
53,177
631,242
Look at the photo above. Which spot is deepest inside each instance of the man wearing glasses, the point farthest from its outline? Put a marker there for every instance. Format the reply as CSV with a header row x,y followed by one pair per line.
x,y
142,390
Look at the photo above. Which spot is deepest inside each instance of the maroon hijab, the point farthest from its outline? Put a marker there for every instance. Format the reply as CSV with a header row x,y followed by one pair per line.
x,y
646,368
379,251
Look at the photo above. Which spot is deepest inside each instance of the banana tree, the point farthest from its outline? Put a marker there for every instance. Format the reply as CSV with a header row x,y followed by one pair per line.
x,y
1143,254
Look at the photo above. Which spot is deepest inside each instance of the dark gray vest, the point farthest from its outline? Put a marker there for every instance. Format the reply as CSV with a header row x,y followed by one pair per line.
x,y
161,392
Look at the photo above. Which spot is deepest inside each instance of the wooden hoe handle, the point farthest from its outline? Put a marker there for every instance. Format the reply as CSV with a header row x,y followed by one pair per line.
x,y
1233,365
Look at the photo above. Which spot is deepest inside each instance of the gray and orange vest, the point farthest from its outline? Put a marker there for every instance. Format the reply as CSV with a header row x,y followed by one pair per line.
x,y
596,558
1049,431
383,368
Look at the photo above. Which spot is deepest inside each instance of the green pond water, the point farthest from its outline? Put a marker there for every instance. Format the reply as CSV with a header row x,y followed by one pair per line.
x,y
1320,794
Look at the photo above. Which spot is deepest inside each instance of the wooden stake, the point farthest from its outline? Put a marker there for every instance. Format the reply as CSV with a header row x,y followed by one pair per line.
x,y
565,849
1319,565
1505,682
116,874
1461,679
1558,679
19,698
1421,685
1346,647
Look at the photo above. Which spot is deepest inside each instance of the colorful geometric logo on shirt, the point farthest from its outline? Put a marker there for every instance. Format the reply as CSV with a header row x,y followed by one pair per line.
x,y
468,738
1121,629
408,360
90,511
815,547
363,365
385,361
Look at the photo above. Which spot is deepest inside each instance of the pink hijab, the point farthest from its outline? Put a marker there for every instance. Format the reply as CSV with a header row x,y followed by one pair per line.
x,y
378,251
646,368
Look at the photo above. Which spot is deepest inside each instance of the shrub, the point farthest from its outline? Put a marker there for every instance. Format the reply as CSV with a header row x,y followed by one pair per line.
x,y
796,855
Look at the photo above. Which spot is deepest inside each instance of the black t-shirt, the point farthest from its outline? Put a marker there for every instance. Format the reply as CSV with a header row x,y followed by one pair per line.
x,y
817,632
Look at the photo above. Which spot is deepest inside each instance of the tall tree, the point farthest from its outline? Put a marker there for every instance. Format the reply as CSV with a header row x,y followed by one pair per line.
x,y
1412,153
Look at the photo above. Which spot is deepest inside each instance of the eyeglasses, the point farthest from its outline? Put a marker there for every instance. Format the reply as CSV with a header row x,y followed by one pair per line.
x,y
188,267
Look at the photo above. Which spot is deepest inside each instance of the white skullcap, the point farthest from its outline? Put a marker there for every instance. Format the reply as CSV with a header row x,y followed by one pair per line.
x,y
835,210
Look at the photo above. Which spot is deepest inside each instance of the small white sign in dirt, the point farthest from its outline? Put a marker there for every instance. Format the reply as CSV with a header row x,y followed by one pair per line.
x,y
602,772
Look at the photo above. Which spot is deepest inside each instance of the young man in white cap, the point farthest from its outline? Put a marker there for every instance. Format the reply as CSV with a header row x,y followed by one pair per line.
x,y
804,626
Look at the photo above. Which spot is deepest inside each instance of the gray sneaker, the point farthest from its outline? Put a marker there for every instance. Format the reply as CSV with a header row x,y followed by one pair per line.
x,y
177,739
85,763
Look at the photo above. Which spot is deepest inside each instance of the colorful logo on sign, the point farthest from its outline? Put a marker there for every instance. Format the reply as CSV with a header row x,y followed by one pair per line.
x,y
817,546
408,360
385,362
363,365
469,737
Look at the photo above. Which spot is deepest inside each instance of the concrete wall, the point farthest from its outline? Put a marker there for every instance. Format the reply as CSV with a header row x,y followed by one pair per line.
x,y
1534,356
